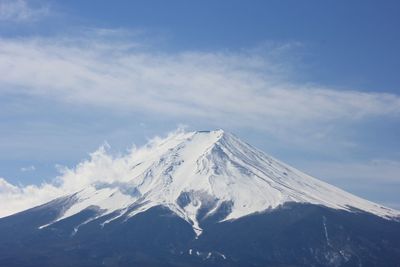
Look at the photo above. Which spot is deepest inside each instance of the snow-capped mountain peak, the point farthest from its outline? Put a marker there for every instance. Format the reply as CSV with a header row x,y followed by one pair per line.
x,y
196,174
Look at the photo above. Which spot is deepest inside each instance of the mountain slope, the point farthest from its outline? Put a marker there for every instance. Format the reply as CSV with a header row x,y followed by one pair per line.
x,y
294,234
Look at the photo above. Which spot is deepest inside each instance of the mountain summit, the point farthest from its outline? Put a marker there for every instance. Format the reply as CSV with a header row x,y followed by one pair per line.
x,y
203,198
203,171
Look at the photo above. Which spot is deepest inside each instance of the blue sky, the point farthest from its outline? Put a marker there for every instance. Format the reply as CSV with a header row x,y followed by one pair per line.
x,y
313,83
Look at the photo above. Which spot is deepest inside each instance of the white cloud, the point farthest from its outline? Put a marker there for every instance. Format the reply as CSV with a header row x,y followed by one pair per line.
x,y
28,168
15,198
7,188
229,88
20,11
100,168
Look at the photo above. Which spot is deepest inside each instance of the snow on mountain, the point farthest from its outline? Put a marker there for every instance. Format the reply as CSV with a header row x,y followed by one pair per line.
x,y
201,171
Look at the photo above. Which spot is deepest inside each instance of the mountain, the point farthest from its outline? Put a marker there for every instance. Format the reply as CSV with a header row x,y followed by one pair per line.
x,y
204,199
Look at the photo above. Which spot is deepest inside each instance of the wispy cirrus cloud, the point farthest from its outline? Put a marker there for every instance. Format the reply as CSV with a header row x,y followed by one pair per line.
x,y
29,168
21,11
229,88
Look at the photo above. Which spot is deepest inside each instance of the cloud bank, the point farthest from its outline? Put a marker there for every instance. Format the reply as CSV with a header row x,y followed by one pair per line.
x,y
101,167
242,89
